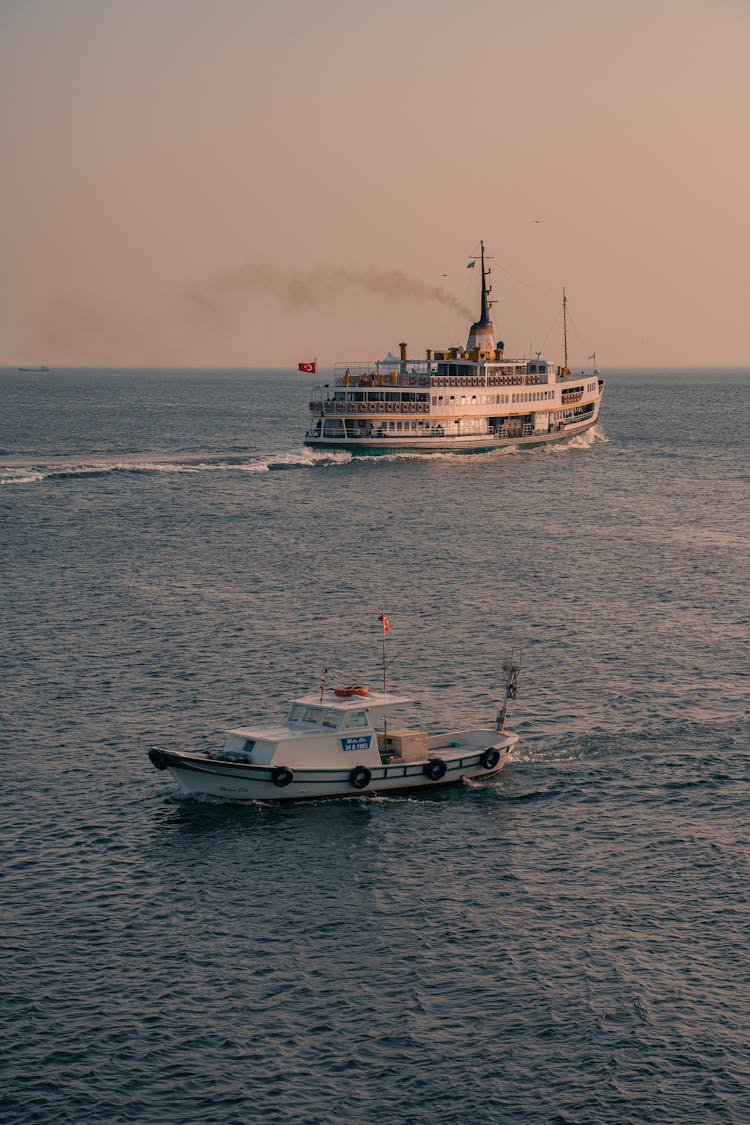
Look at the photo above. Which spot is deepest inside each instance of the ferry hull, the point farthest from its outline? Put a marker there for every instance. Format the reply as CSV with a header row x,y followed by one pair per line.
x,y
372,447
236,783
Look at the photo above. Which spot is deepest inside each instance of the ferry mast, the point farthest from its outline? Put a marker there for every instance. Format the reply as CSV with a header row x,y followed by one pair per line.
x,y
565,331
482,332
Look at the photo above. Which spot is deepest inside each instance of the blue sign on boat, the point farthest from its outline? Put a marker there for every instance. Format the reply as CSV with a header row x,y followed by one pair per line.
x,y
357,742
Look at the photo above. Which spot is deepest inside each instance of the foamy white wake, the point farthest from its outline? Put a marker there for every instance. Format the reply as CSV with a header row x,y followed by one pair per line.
x,y
32,472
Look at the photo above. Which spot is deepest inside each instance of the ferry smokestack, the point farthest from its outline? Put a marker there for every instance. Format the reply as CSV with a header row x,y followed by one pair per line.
x,y
403,352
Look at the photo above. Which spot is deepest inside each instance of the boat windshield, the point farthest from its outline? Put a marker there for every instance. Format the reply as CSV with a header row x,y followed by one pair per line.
x,y
357,719
299,713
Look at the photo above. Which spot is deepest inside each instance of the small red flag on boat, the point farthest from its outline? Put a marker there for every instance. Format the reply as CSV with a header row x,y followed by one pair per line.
x,y
308,368
386,626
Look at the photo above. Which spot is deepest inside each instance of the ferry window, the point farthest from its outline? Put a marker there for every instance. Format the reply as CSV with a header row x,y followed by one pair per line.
x,y
357,719
296,712
312,715
331,719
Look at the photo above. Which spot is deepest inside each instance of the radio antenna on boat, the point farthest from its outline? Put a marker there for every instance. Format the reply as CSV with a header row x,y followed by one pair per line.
x,y
511,670
323,683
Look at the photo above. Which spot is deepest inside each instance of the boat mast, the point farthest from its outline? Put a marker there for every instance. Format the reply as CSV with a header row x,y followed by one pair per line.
x,y
386,629
565,330
486,290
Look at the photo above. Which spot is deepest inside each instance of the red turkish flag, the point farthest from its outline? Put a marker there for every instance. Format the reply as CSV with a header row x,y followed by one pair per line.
x,y
308,368
386,626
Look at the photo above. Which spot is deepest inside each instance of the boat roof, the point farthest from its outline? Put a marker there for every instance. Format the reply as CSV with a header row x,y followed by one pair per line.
x,y
373,701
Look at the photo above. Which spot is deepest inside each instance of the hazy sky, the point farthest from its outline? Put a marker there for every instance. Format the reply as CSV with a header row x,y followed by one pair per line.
x,y
259,182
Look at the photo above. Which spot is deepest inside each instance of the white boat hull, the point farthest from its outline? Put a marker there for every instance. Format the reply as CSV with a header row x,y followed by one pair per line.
x,y
230,781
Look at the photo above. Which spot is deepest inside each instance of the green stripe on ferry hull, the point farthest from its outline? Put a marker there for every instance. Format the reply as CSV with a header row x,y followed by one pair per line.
x,y
379,451
362,449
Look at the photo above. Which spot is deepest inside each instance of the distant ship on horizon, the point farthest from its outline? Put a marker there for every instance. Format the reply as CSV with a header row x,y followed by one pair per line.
x,y
28,369
467,400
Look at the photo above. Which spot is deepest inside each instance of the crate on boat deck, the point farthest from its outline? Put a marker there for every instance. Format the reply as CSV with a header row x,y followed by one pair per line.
x,y
408,745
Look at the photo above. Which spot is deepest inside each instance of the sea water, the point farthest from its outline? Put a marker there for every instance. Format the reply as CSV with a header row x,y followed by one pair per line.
x,y
564,943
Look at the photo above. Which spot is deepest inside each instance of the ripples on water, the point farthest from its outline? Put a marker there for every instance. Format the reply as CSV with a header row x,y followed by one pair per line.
x,y
566,943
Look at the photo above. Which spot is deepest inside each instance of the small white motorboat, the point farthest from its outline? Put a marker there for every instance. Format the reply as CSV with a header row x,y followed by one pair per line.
x,y
337,743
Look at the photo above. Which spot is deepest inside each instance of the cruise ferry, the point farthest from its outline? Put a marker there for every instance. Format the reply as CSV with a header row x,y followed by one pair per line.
x,y
457,400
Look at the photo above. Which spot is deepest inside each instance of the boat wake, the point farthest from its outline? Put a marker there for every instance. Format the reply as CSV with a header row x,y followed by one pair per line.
x,y
28,471
584,441
594,436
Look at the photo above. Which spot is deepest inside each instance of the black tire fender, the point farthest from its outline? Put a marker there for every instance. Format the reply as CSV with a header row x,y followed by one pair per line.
x,y
157,758
435,769
360,777
489,758
281,776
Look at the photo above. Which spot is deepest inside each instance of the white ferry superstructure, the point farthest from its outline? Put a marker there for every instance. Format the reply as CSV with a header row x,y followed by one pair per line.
x,y
460,401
